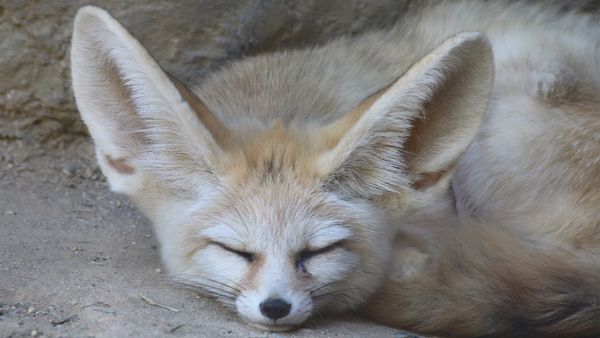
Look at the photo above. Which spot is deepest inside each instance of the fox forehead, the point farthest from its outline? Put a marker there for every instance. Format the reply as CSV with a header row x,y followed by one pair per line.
x,y
278,151
250,215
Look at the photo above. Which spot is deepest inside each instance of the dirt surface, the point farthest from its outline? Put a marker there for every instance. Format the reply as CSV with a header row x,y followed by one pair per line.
x,y
76,259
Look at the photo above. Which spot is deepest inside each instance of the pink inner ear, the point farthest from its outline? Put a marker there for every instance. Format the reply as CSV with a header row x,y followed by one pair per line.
x,y
120,165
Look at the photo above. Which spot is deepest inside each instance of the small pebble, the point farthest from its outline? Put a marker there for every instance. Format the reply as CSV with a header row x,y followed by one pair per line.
x,y
87,173
70,170
34,333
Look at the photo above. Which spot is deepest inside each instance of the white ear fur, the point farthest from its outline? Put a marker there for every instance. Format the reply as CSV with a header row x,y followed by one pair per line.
x,y
136,115
415,130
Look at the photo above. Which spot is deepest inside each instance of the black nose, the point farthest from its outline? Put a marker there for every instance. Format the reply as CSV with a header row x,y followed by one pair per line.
x,y
275,308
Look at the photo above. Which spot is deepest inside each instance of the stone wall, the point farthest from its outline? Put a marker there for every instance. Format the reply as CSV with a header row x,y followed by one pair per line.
x,y
188,37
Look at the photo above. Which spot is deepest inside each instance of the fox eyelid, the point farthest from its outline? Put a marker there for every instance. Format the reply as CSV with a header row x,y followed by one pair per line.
x,y
248,256
307,254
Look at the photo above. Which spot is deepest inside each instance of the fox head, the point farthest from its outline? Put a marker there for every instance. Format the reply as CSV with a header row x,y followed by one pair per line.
x,y
278,214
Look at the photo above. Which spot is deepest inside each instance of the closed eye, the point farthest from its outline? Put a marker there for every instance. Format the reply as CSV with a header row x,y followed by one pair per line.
x,y
248,256
307,254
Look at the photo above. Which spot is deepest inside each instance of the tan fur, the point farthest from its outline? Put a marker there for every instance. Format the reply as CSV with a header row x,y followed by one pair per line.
x,y
274,150
322,176
491,281
331,135
487,280
521,260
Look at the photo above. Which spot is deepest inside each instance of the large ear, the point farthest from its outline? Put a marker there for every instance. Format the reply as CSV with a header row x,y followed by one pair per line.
x,y
410,133
139,118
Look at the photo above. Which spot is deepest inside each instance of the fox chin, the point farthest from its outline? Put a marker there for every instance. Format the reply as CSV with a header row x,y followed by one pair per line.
x,y
440,176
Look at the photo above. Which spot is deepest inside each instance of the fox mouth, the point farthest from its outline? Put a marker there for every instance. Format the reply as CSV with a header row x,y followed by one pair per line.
x,y
272,327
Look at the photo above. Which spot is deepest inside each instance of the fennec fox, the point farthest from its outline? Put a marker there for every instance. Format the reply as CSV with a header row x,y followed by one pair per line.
x,y
319,180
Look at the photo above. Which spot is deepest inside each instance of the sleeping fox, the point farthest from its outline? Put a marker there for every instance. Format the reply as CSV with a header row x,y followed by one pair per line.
x,y
441,176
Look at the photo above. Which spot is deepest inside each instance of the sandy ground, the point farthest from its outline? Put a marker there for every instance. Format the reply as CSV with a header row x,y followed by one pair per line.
x,y
76,259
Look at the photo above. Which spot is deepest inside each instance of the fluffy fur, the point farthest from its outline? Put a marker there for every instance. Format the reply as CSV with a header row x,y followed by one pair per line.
x,y
321,176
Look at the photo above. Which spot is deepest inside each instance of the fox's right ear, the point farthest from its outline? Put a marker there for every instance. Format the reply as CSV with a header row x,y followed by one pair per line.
x,y
141,120
409,134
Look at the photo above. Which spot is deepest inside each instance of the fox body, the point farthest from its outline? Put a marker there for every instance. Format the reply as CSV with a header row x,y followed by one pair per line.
x,y
318,180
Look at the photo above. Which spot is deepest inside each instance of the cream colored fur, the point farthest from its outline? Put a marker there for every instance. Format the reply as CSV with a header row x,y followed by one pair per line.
x,y
321,176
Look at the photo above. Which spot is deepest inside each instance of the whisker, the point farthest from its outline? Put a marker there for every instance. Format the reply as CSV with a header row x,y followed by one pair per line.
x,y
206,288
201,283
343,293
234,286
229,280
320,287
225,299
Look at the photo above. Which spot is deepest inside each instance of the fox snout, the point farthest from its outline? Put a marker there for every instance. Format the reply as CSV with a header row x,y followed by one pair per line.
x,y
275,313
275,308
275,299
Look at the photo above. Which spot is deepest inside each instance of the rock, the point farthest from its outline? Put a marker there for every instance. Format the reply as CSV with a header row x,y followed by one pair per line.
x,y
87,173
189,38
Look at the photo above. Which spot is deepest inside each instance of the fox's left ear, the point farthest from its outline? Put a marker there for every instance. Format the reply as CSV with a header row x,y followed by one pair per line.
x,y
410,134
144,123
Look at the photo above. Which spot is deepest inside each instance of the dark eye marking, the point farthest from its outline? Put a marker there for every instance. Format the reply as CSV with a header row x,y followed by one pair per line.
x,y
248,256
307,254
